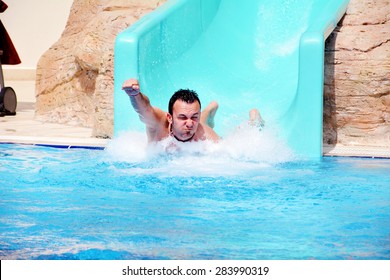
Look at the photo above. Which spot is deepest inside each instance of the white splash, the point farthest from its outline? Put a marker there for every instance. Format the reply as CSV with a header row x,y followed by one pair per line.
x,y
246,149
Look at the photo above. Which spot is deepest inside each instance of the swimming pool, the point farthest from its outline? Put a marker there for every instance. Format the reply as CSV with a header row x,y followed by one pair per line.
x,y
93,204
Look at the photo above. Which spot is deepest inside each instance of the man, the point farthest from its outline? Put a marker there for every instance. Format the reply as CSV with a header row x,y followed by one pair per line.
x,y
184,120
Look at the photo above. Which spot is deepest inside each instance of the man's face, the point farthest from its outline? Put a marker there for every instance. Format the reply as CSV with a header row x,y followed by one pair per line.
x,y
185,119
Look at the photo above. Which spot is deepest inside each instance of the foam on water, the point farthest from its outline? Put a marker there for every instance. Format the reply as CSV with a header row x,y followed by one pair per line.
x,y
243,150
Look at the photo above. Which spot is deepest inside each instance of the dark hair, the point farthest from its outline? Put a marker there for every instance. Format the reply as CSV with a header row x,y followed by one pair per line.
x,y
186,95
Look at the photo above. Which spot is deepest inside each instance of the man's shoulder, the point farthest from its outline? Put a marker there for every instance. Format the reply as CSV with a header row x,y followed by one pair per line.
x,y
208,132
159,131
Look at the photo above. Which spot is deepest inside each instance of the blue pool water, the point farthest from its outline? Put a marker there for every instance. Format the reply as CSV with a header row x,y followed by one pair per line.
x,y
130,203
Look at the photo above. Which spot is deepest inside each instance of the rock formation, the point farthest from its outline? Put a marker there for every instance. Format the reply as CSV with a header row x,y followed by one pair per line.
x,y
357,77
74,83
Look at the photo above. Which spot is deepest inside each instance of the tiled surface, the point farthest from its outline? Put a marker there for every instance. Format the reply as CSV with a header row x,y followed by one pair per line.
x,y
357,151
24,128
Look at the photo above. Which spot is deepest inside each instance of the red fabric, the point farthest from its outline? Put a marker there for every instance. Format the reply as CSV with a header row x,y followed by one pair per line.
x,y
3,6
10,55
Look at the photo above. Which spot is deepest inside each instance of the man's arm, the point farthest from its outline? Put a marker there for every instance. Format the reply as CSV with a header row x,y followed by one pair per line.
x,y
149,115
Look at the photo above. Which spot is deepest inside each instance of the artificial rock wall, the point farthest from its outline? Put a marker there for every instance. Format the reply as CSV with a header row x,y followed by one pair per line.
x,y
357,77
75,76
74,82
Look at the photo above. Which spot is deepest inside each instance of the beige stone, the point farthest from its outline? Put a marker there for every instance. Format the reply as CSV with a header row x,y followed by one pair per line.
x,y
75,76
357,77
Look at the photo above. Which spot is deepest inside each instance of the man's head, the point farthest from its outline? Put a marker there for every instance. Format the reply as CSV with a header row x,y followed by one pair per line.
x,y
184,114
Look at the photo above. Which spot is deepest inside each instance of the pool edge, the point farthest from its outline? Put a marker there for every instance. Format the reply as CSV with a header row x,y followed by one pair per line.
x,y
57,142
99,143
356,151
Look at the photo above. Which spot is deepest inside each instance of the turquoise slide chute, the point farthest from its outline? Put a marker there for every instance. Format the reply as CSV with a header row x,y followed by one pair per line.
x,y
243,54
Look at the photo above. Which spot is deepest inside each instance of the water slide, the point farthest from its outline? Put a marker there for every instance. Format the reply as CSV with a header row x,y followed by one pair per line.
x,y
243,54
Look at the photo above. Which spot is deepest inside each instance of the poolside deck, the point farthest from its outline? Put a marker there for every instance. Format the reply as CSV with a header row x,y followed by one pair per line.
x,y
25,129
356,151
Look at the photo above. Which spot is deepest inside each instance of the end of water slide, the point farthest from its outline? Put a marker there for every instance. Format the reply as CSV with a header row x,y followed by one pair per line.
x,y
183,28
303,121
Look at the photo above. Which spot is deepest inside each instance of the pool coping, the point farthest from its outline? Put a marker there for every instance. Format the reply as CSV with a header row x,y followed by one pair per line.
x,y
356,151
98,143
57,142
